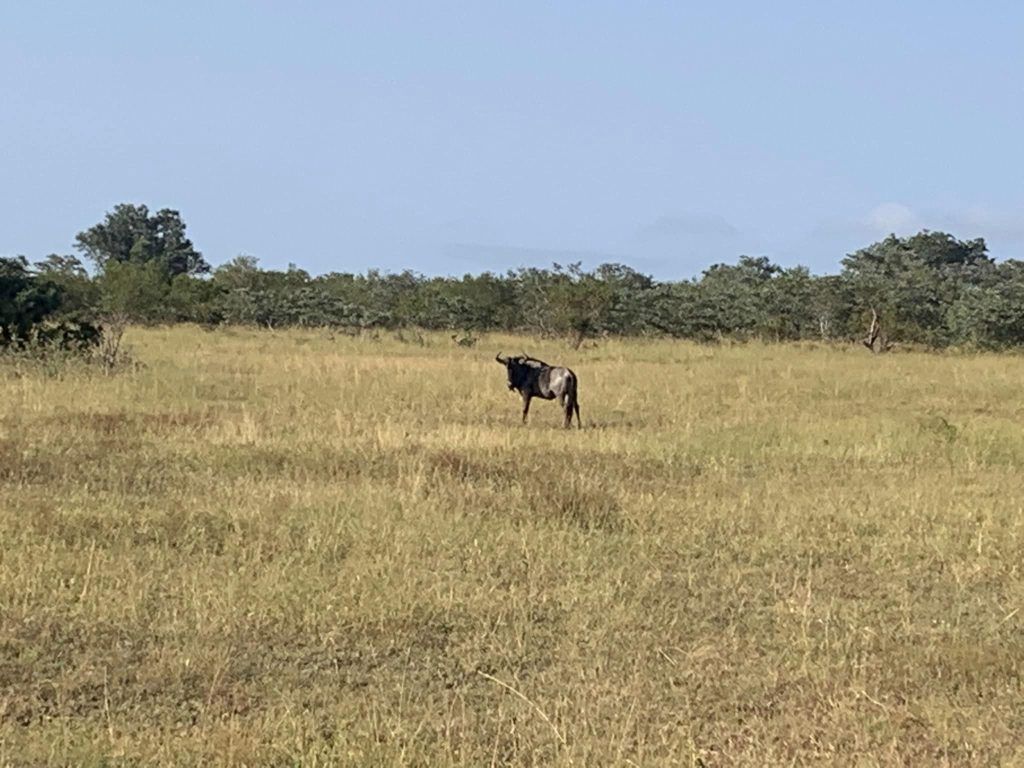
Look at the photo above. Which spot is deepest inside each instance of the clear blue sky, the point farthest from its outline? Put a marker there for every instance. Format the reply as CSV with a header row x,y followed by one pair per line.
x,y
457,137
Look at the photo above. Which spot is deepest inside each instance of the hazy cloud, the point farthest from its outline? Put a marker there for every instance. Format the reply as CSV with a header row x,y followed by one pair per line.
x,y
889,218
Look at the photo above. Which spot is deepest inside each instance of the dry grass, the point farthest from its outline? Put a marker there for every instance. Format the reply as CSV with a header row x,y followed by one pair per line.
x,y
285,549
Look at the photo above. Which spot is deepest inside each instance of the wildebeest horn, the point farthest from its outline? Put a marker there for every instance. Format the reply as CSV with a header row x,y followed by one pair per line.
x,y
498,358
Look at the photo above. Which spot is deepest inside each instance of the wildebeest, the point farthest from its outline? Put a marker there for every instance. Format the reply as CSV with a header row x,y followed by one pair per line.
x,y
535,378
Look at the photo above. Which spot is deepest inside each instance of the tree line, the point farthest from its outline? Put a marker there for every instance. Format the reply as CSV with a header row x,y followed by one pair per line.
x,y
927,289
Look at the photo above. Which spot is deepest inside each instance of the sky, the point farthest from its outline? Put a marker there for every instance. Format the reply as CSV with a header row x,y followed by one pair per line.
x,y
449,137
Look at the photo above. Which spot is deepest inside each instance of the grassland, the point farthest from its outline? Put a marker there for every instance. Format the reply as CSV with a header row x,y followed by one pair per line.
x,y
288,549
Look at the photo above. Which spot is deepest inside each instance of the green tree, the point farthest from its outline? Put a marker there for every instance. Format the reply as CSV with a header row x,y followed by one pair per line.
x,y
991,315
194,300
733,298
581,303
129,234
913,282
791,309
80,295
134,293
23,302
241,272
564,301
31,311
631,299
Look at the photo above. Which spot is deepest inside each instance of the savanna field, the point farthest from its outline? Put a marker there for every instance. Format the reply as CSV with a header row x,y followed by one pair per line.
x,y
259,548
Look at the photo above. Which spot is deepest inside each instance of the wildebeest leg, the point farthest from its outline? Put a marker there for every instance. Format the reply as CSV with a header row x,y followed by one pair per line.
x,y
526,407
571,405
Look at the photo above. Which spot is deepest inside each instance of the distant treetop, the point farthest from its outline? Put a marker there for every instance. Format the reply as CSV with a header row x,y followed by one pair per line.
x,y
129,234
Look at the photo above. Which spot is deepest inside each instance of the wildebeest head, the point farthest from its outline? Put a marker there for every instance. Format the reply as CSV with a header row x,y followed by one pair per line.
x,y
518,369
